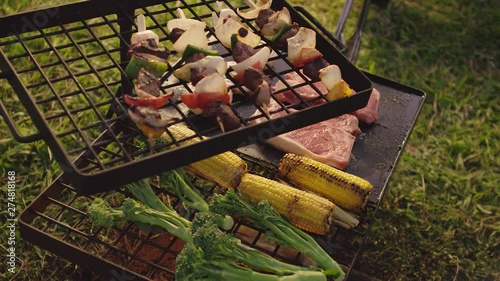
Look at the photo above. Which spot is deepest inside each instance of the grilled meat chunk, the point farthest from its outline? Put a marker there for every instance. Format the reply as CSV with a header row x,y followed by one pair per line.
x,y
282,41
150,49
225,116
263,17
175,34
198,73
242,51
252,78
311,69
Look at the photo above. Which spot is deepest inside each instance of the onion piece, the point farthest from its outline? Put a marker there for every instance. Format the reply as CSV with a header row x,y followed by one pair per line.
x,y
184,24
276,22
260,57
255,8
305,38
232,26
217,62
330,76
224,14
214,83
194,36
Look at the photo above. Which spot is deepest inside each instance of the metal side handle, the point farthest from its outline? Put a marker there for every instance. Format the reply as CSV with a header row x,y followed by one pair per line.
x,y
341,46
350,48
12,125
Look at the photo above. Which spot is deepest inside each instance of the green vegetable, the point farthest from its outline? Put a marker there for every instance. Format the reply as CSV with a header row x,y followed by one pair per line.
x,y
103,214
137,62
280,33
234,40
191,50
264,217
215,255
191,264
177,182
143,192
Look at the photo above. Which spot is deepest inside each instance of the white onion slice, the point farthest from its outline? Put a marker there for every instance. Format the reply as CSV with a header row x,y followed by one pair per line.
x,y
194,36
213,83
143,36
330,76
232,26
305,38
255,8
276,22
261,56
217,62
184,24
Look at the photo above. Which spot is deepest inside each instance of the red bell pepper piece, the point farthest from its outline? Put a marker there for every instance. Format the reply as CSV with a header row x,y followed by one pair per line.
x,y
202,100
154,102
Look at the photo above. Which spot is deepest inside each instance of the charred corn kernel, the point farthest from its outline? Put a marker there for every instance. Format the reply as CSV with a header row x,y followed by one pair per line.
x,y
347,191
225,169
180,133
305,210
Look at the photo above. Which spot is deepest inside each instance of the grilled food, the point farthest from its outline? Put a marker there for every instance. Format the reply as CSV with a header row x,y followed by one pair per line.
x,y
305,210
226,169
345,190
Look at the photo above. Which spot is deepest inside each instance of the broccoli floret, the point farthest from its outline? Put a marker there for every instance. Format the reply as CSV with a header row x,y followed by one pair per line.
x,y
217,244
103,214
214,255
177,182
265,217
142,191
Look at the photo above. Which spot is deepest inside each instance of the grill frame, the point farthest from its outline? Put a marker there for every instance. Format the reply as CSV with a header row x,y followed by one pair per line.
x,y
400,106
123,166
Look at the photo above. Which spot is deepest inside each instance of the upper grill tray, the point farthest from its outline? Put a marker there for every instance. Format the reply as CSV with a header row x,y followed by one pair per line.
x,y
66,65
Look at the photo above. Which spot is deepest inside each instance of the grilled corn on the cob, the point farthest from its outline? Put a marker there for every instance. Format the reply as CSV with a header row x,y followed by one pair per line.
x,y
226,169
305,210
345,190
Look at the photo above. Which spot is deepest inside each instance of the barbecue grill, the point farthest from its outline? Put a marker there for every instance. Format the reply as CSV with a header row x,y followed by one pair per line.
x,y
66,66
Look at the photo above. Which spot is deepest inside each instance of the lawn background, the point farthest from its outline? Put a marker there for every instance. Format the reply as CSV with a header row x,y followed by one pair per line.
x,y
439,219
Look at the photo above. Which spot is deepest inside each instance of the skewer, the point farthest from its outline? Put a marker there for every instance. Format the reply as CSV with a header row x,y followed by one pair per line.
x,y
141,23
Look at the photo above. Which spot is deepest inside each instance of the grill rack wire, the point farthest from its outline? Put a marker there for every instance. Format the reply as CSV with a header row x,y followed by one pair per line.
x,y
59,218
68,72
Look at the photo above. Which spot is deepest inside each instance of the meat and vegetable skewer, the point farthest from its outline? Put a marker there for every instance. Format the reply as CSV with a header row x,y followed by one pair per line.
x,y
205,70
145,51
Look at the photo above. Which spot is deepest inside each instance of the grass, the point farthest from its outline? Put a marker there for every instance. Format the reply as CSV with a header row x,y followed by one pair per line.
x,y
440,217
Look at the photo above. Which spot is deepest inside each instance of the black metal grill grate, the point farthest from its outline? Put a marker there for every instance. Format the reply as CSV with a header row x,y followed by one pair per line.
x,y
68,71
59,219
